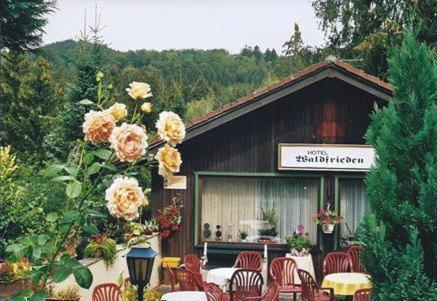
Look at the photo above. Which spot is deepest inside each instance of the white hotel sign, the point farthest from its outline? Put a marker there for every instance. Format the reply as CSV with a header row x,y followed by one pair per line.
x,y
339,157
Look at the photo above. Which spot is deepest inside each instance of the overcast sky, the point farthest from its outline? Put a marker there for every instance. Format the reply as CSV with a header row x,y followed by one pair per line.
x,y
178,24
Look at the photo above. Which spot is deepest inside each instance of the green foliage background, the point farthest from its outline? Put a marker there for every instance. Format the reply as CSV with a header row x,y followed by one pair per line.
x,y
400,238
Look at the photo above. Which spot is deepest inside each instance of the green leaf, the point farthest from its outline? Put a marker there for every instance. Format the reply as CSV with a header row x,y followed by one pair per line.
x,y
94,168
95,214
88,158
63,178
111,167
90,228
52,170
42,239
18,298
71,170
85,102
26,292
38,296
70,216
61,274
52,217
17,250
73,189
83,277
35,275
36,253
103,154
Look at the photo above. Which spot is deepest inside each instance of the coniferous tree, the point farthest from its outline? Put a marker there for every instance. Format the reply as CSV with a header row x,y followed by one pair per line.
x,y
88,62
27,101
22,23
294,46
400,239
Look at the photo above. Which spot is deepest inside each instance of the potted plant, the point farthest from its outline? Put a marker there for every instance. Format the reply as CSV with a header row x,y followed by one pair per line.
x,y
270,221
242,235
299,242
351,239
170,217
327,219
101,246
13,277
68,293
129,292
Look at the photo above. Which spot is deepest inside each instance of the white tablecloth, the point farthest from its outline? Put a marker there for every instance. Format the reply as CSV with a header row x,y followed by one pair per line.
x,y
220,276
304,263
184,296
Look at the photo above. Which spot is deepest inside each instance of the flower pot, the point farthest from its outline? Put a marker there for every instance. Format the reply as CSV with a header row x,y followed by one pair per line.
x,y
328,229
10,289
303,252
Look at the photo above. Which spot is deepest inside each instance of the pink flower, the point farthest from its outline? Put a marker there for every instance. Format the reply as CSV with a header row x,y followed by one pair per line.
x,y
300,229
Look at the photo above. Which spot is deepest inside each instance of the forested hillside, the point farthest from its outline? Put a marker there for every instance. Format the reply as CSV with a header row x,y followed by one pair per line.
x,y
189,81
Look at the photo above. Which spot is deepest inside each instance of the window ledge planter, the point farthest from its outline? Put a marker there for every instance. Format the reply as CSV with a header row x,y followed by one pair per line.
x,y
9,289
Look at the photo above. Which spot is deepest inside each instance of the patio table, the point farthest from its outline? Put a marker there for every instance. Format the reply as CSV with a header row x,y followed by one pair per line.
x,y
220,276
304,263
184,296
346,283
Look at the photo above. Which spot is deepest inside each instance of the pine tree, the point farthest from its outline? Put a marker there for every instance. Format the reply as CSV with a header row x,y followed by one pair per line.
x,y
294,46
88,62
27,102
400,239
22,23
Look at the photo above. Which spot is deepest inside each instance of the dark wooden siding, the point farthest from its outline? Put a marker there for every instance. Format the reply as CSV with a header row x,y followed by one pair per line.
x,y
329,111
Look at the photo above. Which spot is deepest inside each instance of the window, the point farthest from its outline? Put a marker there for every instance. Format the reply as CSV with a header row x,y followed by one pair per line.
x,y
238,203
353,205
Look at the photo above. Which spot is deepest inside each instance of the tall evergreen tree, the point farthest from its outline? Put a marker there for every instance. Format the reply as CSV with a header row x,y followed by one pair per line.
x,y
27,102
294,46
400,238
22,23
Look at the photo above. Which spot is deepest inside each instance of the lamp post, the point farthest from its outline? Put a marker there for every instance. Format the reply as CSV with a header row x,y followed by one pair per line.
x,y
140,263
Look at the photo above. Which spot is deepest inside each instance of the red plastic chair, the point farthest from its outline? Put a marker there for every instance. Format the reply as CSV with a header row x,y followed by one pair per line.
x,y
362,294
311,291
106,292
245,283
354,257
271,294
214,293
249,260
283,271
199,279
336,262
186,280
192,263
172,278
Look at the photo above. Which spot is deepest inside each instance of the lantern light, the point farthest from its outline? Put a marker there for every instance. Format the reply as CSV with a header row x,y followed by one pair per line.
x,y
140,264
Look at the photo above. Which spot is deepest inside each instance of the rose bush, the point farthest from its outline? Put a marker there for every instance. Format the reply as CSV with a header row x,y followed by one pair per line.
x,y
104,164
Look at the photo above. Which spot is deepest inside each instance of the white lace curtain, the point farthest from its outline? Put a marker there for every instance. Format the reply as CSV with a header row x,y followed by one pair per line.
x,y
236,203
353,204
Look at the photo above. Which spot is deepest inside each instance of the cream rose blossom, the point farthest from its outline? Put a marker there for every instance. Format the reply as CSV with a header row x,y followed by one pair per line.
x,y
170,128
139,90
129,141
118,110
124,198
146,107
169,160
98,126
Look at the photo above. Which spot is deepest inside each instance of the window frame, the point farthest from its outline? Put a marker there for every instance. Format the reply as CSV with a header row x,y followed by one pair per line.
x,y
337,179
199,174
